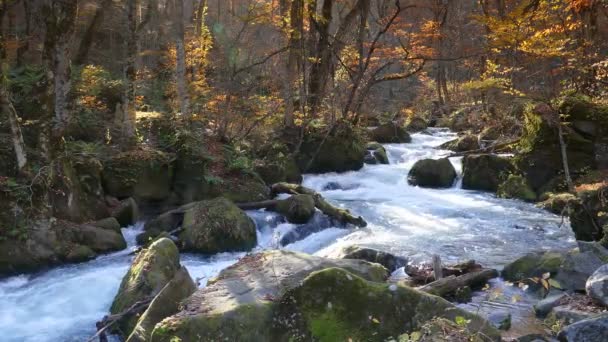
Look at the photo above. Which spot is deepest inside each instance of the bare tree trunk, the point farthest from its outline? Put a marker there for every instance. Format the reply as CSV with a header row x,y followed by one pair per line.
x,y
563,149
296,16
87,40
128,112
16,136
60,20
180,69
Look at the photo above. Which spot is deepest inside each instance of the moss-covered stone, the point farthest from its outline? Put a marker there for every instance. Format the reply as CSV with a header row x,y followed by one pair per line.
x,y
516,186
275,163
240,304
416,124
587,216
433,173
340,150
390,133
485,171
79,253
142,174
109,223
298,209
165,304
390,261
126,212
381,156
336,305
468,142
151,270
557,203
242,189
533,265
216,226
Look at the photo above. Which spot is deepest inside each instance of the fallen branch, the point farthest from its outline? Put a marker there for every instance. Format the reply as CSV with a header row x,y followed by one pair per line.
x,y
342,215
489,149
449,285
109,321
425,274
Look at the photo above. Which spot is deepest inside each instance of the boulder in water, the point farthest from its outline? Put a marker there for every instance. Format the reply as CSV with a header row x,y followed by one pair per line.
x,y
432,173
126,212
592,329
390,261
597,285
467,142
533,265
390,133
298,209
275,163
416,124
165,304
150,272
485,171
216,226
516,186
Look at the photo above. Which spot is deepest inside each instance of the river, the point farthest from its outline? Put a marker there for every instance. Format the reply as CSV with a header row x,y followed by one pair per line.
x,y
64,303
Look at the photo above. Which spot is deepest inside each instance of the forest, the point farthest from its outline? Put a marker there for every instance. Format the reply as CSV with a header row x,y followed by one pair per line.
x,y
304,170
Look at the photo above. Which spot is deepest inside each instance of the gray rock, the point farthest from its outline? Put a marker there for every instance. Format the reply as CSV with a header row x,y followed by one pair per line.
x,y
544,307
432,173
390,261
576,269
298,209
500,320
589,330
569,315
595,248
597,285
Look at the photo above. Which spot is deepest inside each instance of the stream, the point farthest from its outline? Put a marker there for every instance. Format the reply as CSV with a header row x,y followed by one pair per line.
x,y
63,304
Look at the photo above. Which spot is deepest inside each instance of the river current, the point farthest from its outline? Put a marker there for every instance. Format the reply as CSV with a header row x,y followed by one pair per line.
x,y
64,303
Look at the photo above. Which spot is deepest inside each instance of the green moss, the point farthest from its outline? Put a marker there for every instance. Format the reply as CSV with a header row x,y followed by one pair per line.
x,y
328,328
516,186
533,265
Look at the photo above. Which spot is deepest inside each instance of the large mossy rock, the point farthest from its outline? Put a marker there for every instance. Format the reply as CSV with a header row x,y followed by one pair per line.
x,y
485,171
126,212
45,243
242,188
390,133
432,173
275,163
165,304
216,226
516,186
587,215
339,150
142,174
336,305
298,209
533,265
239,305
150,272
416,124
467,142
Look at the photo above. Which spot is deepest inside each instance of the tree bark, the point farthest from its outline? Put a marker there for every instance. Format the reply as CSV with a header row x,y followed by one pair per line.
x,y
89,33
296,14
449,285
180,68
16,136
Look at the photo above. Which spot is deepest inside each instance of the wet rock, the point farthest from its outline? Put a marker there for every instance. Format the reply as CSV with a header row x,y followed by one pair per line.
x,y
165,304
343,149
390,261
216,226
380,155
576,268
376,155
592,329
597,285
467,142
500,320
545,306
143,174
516,186
239,305
80,253
432,173
595,248
416,124
370,159
338,186
109,223
298,209
533,265
318,223
569,314
126,212
100,240
150,272
485,171
390,133
242,189
275,163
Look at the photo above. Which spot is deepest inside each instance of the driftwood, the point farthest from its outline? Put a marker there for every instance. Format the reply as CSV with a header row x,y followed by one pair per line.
x,y
342,215
449,285
425,274
108,321
488,149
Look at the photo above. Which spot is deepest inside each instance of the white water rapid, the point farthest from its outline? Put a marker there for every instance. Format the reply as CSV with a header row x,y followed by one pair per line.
x,y
64,303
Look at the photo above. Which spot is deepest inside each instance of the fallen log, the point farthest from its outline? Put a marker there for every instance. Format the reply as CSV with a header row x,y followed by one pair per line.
x,y
449,285
490,149
342,215
108,321
425,274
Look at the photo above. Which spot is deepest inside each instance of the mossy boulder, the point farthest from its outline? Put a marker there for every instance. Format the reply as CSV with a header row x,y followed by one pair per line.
x,y
152,269
390,132
468,142
416,124
216,226
432,173
557,203
101,240
339,150
242,188
241,302
275,163
142,174
126,212
109,223
336,305
485,171
375,154
587,216
380,155
516,186
298,209
165,304
533,265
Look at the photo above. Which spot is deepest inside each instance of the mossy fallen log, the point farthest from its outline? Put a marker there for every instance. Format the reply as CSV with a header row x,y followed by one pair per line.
x,y
446,286
341,215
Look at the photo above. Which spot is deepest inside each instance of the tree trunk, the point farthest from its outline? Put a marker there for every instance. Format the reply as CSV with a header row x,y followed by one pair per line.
x,y
296,14
89,33
321,64
449,285
180,68
16,136
128,112
564,152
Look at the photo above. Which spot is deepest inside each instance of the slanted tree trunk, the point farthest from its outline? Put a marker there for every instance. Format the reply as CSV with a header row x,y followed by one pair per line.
x,y
16,136
180,68
60,21
89,33
564,152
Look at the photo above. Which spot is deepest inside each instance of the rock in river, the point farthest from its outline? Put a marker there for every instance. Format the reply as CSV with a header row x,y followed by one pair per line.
x,y
439,173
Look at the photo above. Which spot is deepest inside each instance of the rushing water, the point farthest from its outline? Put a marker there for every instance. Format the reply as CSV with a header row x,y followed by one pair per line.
x,y
63,304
